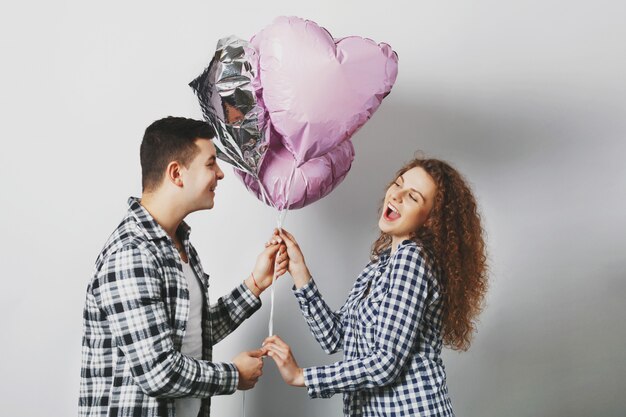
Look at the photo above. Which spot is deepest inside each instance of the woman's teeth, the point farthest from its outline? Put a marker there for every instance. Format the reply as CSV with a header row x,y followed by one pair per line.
x,y
392,213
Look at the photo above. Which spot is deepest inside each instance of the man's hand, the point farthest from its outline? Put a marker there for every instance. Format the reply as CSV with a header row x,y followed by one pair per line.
x,y
273,260
250,367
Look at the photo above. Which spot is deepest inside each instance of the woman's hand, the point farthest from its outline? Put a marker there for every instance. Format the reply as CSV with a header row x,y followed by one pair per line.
x,y
272,260
287,365
297,265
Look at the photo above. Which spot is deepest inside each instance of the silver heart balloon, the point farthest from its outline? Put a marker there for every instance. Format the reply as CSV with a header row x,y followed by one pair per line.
x,y
229,94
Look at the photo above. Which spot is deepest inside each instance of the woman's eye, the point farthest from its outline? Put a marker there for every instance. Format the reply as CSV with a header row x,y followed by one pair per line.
x,y
413,197
396,184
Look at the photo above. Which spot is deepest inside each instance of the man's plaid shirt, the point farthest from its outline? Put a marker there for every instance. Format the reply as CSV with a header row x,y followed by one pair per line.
x,y
390,336
135,314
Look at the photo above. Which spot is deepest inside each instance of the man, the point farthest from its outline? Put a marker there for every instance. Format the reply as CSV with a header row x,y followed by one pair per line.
x,y
148,326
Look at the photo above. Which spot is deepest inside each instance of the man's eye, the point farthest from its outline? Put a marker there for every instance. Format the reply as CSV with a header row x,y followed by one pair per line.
x,y
413,197
397,185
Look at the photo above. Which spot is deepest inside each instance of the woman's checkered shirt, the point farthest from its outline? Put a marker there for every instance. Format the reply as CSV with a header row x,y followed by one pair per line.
x,y
390,336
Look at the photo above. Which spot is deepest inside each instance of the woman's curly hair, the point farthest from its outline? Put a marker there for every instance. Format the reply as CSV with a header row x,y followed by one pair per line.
x,y
454,237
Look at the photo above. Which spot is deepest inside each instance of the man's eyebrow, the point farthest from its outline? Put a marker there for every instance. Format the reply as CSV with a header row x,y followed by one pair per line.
x,y
212,159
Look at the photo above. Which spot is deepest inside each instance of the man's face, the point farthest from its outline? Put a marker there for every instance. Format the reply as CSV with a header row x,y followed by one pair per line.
x,y
201,176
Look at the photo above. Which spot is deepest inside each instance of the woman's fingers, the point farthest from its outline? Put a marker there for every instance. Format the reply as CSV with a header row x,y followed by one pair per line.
x,y
290,242
278,357
276,340
289,236
282,255
271,347
283,265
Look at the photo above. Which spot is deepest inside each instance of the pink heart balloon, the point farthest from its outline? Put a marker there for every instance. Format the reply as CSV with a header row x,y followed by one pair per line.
x,y
319,91
311,181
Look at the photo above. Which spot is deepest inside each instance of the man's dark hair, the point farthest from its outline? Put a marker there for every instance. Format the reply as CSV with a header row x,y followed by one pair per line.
x,y
166,140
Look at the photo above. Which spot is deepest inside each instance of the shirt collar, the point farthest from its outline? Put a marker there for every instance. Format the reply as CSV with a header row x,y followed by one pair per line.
x,y
150,227
386,255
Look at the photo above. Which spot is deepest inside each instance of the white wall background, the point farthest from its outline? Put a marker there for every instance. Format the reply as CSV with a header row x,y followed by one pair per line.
x,y
527,98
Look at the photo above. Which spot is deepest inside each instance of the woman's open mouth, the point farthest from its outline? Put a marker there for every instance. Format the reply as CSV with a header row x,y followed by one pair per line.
x,y
391,213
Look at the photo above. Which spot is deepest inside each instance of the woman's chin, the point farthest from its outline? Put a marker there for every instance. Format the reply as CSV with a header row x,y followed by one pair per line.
x,y
384,226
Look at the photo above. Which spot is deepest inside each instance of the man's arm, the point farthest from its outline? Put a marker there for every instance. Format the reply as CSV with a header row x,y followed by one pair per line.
x,y
231,310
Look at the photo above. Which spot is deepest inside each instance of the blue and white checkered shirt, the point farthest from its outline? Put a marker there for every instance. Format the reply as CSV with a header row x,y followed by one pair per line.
x,y
391,338
134,322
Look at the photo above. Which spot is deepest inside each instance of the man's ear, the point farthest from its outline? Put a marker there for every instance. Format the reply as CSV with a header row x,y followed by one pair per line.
x,y
173,174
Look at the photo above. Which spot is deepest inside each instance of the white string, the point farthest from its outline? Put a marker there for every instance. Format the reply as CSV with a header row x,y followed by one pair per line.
x,y
280,221
266,199
282,214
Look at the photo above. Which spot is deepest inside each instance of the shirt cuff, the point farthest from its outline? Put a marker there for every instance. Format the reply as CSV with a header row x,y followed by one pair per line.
x,y
313,380
228,378
245,301
307,292
307,295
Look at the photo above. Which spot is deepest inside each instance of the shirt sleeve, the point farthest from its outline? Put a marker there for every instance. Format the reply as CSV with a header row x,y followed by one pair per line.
x,y
325,325
129,291
401,310
231,310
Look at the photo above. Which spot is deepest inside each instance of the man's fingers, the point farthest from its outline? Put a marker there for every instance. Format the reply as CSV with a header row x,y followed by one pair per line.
x,y
257,353
271,250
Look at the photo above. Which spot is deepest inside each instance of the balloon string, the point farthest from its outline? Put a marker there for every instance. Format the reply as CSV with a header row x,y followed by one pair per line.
x,y
266,199
280,221
282,215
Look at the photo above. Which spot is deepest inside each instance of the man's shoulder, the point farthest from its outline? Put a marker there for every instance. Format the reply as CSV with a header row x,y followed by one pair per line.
x,y
127,235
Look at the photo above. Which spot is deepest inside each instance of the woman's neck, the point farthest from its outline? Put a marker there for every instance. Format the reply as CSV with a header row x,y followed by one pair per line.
x,y
395,242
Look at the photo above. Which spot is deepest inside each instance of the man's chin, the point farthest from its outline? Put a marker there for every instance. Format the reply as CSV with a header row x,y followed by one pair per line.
x,y
205,206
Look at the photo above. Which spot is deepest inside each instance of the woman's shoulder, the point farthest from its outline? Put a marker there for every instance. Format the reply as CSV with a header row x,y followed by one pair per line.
x,y
414,254
408,249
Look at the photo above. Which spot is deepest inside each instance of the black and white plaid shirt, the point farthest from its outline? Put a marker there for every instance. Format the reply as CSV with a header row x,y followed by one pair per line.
x,y
391,338
134,322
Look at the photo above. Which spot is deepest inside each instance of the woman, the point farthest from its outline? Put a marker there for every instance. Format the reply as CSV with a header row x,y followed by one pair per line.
x,y
422,289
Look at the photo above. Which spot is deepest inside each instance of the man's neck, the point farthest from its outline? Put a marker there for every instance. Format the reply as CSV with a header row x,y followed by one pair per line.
x,y
166,214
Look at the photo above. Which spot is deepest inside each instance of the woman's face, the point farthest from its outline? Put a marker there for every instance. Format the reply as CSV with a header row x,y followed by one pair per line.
x,y
408,203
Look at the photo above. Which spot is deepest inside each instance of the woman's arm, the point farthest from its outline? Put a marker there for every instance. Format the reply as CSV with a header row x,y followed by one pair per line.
x,y
400,313
325,324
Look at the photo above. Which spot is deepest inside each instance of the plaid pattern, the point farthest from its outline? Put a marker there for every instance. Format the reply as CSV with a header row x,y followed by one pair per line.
x,y
134,320
391,339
